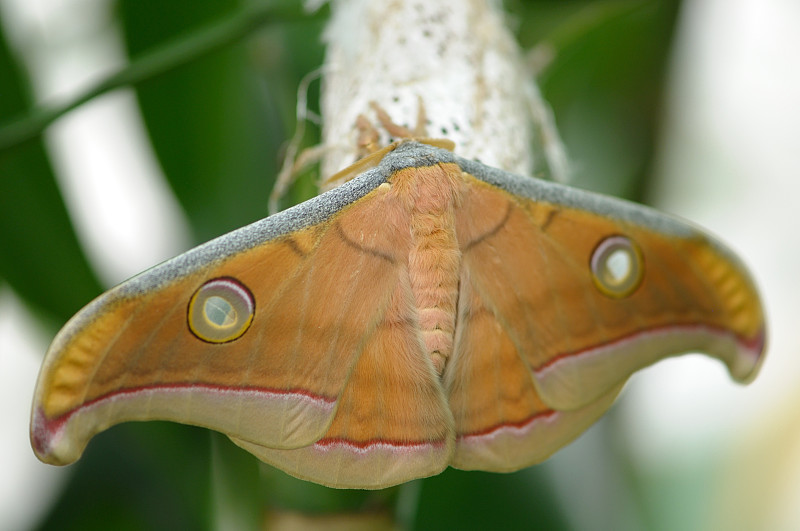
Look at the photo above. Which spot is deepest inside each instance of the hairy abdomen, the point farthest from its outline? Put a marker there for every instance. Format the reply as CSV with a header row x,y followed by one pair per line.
x,y
435,259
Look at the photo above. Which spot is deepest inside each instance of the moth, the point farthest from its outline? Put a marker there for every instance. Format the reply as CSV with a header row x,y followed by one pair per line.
x,y
430,312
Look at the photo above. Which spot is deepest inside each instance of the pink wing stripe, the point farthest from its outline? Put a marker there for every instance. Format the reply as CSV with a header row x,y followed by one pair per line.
x,y
364,447
46,430
515,428
752,346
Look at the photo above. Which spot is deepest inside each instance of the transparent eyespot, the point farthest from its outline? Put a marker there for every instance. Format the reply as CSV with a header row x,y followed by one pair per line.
x,y
617,266
221,310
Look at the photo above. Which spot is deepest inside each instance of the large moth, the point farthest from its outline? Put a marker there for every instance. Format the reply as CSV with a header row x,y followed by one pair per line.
x,y
431,311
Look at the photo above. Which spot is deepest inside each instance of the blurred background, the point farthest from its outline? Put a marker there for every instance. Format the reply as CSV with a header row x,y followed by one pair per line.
x,y
689,106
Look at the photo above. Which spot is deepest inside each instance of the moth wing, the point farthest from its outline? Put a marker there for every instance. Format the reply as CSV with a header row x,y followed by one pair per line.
x,y
319,288
392,423
501,422
529,247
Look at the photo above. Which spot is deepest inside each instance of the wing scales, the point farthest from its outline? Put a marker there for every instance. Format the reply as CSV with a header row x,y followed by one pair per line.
x,y
392,423
316,299
579,342
501,423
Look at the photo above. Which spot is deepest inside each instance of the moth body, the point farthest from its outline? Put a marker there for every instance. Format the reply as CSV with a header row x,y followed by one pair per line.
x,y
432,194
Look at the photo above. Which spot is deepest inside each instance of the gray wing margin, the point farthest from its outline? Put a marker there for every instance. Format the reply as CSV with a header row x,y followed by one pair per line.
x,y
407,154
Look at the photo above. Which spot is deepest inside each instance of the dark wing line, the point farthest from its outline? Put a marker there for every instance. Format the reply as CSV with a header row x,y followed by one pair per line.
x,y
491,232
374,252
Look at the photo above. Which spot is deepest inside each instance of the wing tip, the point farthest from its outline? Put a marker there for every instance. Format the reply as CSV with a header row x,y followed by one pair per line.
x,y
556,379
749,357
61,439
48,441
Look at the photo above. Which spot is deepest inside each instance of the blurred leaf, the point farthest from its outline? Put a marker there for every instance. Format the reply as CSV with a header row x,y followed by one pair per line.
x,y
215,123
481,500
154,62
236,490
142,475
39,252
605,84
287,493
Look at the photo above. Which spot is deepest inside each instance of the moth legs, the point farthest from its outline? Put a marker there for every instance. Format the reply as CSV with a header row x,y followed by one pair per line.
x,y
370,150
369,135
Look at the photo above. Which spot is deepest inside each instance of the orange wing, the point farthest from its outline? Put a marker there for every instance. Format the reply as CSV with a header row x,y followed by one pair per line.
x,y
392,423
541,258
290,309
501,422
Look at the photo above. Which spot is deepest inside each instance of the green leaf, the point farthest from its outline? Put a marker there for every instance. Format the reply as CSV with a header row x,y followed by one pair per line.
x,y
217,124
605,84
142,475
40,256
481,500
